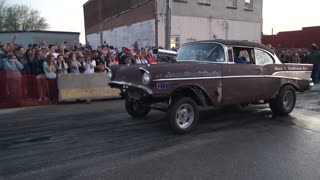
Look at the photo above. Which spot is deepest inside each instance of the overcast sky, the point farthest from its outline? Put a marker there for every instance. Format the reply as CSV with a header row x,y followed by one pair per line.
x,y
282,15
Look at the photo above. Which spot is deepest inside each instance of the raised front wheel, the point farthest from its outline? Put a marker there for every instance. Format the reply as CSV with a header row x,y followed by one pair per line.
x,y
136,108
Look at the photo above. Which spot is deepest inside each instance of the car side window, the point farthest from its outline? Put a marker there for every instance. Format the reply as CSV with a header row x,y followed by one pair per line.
x,y
243,55
263,58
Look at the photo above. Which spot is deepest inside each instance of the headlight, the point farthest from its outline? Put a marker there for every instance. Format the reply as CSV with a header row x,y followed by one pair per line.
x,y
146,78
109,74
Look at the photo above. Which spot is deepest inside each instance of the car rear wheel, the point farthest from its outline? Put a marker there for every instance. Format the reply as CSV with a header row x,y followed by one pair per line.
x,y
285,101
136,108
183,115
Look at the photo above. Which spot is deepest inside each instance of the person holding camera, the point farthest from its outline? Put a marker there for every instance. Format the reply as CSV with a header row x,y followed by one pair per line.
x,y
49,67
74,64
89,65
100,62
112,61
51,78
61,66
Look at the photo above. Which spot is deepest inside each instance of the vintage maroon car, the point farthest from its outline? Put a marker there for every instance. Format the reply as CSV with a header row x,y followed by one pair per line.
x,y
211,74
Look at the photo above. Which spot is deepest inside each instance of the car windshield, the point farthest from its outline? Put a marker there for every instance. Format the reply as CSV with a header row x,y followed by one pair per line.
x,y
201,52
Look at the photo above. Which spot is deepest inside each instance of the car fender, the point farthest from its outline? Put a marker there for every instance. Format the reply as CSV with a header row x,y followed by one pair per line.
x,y
198,93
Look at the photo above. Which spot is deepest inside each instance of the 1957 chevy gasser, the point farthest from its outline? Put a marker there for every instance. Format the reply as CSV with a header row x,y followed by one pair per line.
x,y
211,74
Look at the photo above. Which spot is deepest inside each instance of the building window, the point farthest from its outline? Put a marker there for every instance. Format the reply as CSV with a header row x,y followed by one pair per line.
x,y
181,1
232,4
248,6
175,41
204,2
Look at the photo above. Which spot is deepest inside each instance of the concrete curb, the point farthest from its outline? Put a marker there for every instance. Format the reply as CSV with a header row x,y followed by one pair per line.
x,y
11,110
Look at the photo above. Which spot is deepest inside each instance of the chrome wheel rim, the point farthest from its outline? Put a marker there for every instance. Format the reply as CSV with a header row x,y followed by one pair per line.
x,y
288,100
185,116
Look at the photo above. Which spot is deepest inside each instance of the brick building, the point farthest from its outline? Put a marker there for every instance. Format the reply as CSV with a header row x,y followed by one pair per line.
x,y
294,39
121,23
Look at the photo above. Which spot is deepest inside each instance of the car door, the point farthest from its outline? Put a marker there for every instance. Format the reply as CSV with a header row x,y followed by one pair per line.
x,y
266,62
241,82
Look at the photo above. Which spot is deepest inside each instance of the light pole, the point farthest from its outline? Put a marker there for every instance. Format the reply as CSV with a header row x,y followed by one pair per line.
x,y
168,24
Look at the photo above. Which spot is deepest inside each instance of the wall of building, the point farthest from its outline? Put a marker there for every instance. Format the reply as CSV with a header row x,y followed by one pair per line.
x,y
197,28
97,11
127,15
189,20
125,36
218,9
25,38
94,40
192,21
142,32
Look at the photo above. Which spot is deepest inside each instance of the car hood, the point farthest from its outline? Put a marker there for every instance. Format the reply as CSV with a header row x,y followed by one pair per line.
x,y
127,73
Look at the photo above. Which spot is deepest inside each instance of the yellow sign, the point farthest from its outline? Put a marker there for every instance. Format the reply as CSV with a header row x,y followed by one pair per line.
x,y
66,94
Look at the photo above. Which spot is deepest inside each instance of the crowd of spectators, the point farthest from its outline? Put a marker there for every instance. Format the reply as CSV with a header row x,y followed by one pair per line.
x,y
303,56
47,62
53,60
291,55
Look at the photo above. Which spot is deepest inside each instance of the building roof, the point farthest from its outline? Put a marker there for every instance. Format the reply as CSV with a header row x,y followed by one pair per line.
x,y
56,32
238,43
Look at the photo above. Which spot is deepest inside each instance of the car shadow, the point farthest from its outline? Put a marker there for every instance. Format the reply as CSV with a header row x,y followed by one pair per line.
x,y
235,117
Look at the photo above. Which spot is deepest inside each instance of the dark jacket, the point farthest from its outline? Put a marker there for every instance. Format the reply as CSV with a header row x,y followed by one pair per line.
x,y
314,57
37,67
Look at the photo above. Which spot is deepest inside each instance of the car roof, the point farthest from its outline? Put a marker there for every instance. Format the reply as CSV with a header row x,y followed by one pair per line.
x,y
236,43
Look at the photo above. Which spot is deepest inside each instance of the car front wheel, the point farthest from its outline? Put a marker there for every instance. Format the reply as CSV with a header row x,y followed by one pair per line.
x,y
285,101
183,115
136,108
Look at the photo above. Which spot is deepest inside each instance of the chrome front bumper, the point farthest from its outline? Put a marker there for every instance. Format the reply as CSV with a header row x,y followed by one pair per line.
x,y
311,84
126,85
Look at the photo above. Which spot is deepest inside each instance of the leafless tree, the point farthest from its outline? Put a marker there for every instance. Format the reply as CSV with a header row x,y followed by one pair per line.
x,y
20,17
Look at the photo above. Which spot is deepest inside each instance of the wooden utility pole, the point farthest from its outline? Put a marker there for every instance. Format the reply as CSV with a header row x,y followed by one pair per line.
x,y
168,24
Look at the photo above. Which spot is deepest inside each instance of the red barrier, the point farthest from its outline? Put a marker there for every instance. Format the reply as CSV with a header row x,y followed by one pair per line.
x,y
18,90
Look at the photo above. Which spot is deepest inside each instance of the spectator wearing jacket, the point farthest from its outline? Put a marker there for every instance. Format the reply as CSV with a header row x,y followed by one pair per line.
x,y
23,59
37,69
314,58
12,64
13,75
100,62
